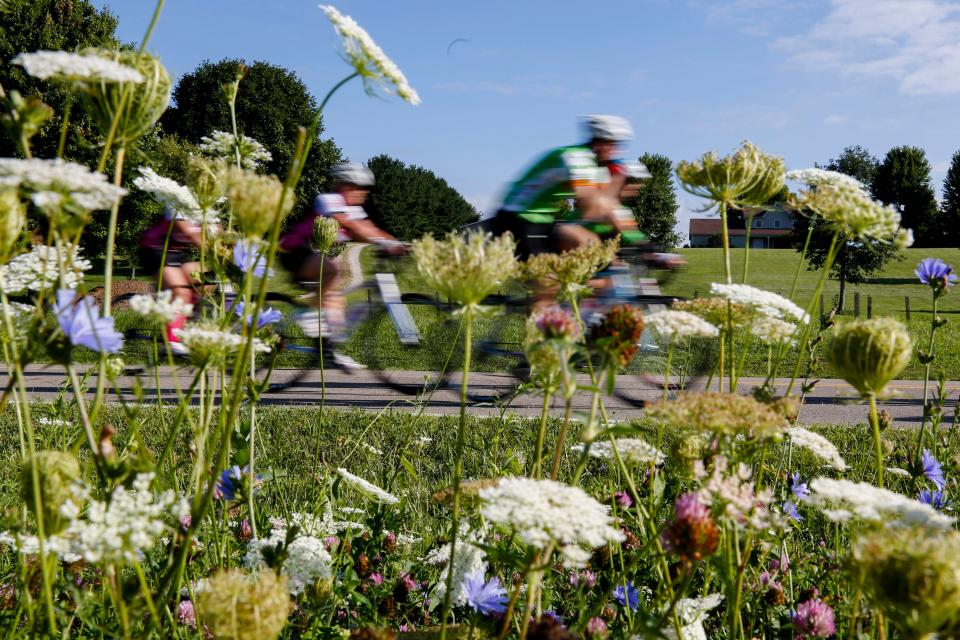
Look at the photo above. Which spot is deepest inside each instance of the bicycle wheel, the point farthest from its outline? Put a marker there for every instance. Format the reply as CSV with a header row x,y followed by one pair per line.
x,y
500,365
295,355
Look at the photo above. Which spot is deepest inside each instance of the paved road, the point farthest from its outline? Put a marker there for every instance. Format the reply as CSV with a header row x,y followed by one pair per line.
x,y
833,401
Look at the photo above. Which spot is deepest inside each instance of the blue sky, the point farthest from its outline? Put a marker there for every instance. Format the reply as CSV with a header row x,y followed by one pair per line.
x,y
801,78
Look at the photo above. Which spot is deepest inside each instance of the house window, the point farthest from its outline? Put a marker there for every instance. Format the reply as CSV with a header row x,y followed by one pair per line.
x,y
757,223
776,224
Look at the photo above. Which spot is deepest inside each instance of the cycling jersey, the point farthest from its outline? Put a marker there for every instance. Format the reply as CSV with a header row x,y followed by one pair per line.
x,y
538,194
326,205
156,236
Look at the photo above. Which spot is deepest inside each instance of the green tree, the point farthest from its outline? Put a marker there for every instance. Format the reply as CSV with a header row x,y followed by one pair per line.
x,y
409,201
856,261
655,207
31,25
903,180
950,207
272,105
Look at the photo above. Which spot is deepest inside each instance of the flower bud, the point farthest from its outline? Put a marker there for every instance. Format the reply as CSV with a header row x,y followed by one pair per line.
x,y
255,201
868,354
242,607
325,232
12,218
57,471
207,180
23,117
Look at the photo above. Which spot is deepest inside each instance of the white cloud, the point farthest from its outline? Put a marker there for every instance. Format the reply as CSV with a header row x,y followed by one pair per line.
x,y
834,119
915,43
752,17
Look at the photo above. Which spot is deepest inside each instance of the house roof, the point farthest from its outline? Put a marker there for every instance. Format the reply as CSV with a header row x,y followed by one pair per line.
x,y
712,227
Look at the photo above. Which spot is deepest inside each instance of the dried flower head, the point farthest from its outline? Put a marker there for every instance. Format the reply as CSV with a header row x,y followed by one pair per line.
x,y
570,271
255,200
913,575
239,606
207,181
869,353
465,268
720,413
58,471
692,535
747,176
326,230
617,335
13,216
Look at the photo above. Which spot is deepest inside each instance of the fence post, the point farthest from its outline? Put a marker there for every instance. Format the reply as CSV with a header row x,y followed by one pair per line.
x,y
856,304
869,307
906,304
821,304
696,293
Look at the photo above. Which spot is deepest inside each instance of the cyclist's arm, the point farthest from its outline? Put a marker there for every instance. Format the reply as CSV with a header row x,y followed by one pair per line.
x,y
188,230
363,230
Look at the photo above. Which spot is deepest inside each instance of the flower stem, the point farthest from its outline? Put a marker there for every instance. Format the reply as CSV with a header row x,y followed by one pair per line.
x,y
875,423
926,384
538,459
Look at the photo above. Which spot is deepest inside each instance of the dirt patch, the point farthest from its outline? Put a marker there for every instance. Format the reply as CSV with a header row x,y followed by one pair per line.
x,y
124,288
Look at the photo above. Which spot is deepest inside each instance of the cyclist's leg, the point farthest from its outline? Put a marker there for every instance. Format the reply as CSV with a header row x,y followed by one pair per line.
x,y
178,280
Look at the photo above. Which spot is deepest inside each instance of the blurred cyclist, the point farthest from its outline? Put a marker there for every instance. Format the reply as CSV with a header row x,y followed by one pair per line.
x,y
351,184
178,267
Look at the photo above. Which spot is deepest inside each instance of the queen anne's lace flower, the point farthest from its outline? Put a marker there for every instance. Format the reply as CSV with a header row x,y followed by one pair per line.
x,y
818,446
692,611
209,343
733,492
680,325
306,561
773,331
470,560
465,269
163,308
40,269
223,145
765,302
61,183
630,449
844,500
368,488
545,511
87,67
168,192
367,58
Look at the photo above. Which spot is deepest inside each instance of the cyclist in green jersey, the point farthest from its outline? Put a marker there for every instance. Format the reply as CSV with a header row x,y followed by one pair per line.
x,y
531,209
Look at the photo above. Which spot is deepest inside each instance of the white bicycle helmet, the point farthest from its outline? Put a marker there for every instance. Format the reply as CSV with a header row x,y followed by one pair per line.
x,y
637,171
352,173
613,128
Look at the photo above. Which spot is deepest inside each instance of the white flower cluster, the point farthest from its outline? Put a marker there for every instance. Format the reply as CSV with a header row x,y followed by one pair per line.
x,y
545,511
208,342
63,65
818,446
39,269
306,562
734,492
823,178
765,302
630,449
691,612
371,490
773,331
469,560
316,526
54,180
680,325
169,192
221,144
164,307
116,531
366,57
845,500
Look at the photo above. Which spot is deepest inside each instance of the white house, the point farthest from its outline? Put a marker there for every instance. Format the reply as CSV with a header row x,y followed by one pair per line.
x,y
768,229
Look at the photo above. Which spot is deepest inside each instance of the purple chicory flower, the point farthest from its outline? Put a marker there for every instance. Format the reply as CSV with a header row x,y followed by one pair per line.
x,y
249,258
936,499
936,273
798,487
83,326
231,482
264,317
790,510
932,470
813,619
485,597
627,595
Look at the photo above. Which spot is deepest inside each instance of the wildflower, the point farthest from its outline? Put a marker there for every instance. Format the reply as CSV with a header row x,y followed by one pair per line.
x,y
326,231
733,492
692,611
242,607
87,66
367,58
596,628
264,317
57,472
936,273
545,511
255,201
936,499
818,446
585,577
869,353
207,343
813,619
798,487
745,176
43,267
715,311
207,182
627,595
231,483
680,325
556,323
469,559
169,193
225,145
249,258
932,470
13,217
912,574
623,499
485,598
465,269
162,308
766,303
773,589
844,500
789,509
64,185
371,490
186,614
773,331
630,449
83,326
305,560
692,534
571,270
719,413
617,335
